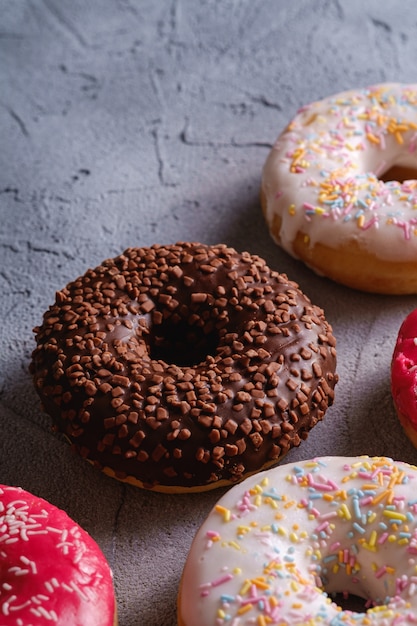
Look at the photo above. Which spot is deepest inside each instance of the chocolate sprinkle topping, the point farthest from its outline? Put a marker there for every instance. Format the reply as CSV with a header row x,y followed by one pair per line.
x,y
183,365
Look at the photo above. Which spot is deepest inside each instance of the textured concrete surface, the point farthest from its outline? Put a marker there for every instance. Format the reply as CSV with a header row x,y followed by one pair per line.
x,y
130,122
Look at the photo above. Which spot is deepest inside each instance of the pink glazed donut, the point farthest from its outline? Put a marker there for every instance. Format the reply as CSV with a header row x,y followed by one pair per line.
x,y
51,570
404,376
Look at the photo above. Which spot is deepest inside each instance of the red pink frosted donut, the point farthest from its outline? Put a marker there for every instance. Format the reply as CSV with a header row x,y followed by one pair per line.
x,y
51,570
404,376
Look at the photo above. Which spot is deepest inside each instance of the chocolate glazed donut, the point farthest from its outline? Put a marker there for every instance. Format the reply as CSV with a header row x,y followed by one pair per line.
x,y
184,367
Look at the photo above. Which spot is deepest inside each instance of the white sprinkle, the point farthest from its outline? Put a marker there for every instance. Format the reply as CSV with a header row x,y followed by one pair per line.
x,y
78,591
5,606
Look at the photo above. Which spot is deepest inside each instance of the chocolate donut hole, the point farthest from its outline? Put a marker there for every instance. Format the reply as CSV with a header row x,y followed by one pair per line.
x,y
182,343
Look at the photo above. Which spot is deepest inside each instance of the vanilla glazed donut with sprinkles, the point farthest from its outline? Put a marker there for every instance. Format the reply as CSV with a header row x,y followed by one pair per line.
x,y
280,548
339,188
51,570
184,367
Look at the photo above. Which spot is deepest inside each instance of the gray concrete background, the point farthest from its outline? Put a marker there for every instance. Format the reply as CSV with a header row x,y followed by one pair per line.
x,y
131,122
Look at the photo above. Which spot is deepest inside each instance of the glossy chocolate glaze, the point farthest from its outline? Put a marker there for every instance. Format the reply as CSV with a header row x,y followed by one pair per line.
x,y
183,365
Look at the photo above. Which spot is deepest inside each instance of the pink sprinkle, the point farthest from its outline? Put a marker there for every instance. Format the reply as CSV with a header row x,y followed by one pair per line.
x,y
322,526
221,580
382,539
211,534
329,515
373,221
381,572
412,144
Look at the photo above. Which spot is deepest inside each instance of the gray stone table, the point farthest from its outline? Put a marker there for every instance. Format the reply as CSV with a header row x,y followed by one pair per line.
x,y
133,122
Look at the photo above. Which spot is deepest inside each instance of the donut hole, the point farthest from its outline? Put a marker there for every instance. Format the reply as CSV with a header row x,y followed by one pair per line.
x,y
350,602
399,173
178,342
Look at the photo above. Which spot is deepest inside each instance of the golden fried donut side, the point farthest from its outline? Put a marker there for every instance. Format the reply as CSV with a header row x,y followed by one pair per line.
x,y
351,264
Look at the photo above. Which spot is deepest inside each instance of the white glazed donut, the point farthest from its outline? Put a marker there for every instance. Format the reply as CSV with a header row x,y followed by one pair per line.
x,y
277,546
327,191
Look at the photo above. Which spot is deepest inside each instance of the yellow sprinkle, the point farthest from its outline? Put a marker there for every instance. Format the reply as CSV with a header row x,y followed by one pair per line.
x,y
383,494
345,512
373,138
244,609
368,546
233,544
245,587
341,494
399,137
403,541
289,504
237,571
306,239
223,511
291,210
373,538
293,537
361,221
273,503
260,583
221,614
394,515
